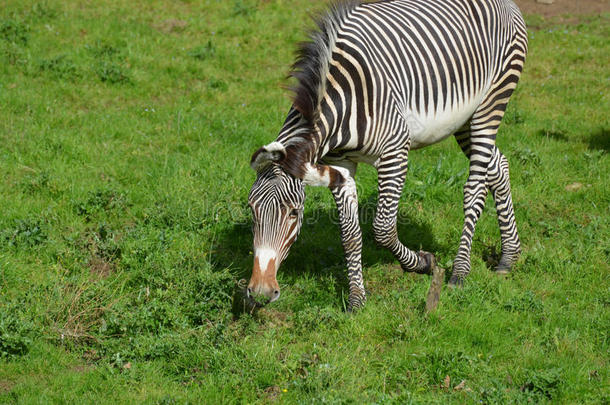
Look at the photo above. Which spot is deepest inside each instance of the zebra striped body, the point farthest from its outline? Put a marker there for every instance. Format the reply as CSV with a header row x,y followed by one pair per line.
x,y
379,79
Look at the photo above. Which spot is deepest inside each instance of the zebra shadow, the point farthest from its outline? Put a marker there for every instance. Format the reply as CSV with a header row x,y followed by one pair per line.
x,y
318,254
600,140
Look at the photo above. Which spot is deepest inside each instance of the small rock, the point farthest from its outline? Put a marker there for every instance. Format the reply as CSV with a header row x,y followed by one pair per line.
x,y
548,2
574,186
460,386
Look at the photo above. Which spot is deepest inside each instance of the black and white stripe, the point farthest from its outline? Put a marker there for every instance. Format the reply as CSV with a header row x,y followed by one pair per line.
x,y
379,79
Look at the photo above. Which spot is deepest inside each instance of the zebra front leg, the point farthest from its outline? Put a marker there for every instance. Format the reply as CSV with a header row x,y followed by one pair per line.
x,y
391,172
346,199
498,182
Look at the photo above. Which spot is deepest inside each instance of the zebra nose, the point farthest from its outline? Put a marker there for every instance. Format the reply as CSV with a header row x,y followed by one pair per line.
x,y
263,294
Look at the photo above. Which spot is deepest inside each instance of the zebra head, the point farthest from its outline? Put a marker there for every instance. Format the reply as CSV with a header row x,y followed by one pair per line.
x,y
276,200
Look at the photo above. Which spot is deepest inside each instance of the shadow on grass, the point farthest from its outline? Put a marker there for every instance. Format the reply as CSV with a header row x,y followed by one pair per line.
x,y
318,251
557,135
600,140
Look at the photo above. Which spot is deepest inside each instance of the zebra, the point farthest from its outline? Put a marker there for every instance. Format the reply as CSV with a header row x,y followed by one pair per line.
x,y
374,81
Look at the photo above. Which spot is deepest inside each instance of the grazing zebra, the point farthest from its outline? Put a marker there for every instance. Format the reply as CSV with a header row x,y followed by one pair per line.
x,y
376,80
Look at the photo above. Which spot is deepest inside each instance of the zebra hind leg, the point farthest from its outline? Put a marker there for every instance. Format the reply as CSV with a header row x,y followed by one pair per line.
x,y
488,171
475,192
392,171
477,141
498,182
496,179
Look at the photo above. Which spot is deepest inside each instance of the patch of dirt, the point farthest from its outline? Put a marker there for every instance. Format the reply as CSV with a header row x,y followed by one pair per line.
x,y
170,26
6,386
274,318
82,368
272,393
91,356
101,267
564,7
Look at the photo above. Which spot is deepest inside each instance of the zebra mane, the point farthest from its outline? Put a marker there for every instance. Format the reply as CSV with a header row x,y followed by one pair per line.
x,y
313,58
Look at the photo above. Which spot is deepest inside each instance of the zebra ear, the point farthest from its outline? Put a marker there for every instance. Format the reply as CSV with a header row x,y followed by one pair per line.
x,y
272,153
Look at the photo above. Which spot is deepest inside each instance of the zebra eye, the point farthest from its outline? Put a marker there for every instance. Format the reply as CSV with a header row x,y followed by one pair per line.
x,y
294,213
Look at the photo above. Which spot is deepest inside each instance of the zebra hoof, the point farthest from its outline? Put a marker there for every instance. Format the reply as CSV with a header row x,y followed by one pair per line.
x,y
428,262
351,308
505,265
355,302
456,281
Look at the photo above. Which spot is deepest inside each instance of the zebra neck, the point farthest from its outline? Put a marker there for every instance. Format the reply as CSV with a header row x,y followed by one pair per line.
x,y
303,143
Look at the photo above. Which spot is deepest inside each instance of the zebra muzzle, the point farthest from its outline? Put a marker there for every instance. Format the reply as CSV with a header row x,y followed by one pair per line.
x,y
263,286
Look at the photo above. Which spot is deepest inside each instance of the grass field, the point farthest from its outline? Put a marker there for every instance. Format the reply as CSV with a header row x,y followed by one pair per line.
x,y
126,129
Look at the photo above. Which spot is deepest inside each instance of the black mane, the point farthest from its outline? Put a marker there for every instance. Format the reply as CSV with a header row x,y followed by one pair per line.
x,y
313,58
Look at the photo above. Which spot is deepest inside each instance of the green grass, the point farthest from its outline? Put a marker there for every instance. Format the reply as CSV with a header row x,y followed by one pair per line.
x,y
126,129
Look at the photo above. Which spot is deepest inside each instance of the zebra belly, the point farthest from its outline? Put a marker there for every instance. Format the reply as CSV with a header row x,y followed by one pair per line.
x,y
424,130
428,129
